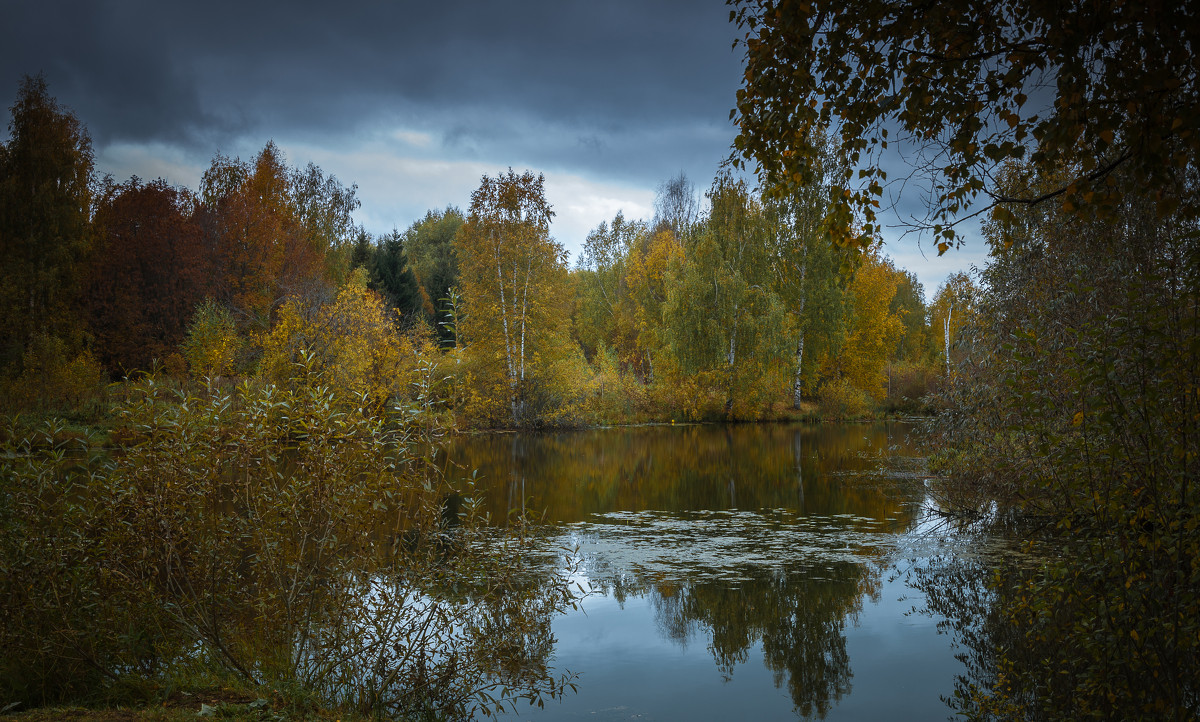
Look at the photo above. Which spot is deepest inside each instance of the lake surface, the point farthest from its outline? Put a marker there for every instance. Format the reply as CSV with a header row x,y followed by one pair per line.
x,y
736,572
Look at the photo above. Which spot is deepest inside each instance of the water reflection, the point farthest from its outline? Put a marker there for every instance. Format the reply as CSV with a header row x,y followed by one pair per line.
x,y
753,541
810,470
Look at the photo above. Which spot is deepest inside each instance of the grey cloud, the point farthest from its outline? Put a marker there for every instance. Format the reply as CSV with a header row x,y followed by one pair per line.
x,y
205,74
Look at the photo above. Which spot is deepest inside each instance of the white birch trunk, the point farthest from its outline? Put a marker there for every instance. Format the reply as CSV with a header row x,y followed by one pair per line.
x,y
797,385
949,314
524,312
508,351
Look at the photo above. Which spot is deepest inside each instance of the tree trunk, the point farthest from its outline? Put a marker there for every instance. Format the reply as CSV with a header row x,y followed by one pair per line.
x,y
949,314
731,359
797,385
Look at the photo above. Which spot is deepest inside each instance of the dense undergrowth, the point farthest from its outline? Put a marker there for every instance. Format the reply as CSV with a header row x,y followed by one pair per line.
x,y
1074,420
287,538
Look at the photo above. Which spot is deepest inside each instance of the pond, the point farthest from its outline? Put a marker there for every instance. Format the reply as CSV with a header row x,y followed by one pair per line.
x,y
734,571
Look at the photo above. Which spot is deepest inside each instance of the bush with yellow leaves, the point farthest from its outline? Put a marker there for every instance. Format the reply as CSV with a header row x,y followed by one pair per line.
x,y
213,343
351,345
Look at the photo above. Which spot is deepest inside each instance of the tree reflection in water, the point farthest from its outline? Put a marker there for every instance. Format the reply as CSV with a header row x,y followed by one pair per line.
x,y
745,537
799,617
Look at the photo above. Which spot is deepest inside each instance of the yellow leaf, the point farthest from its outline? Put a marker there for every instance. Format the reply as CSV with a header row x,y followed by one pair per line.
x,y
1078,419
1107,136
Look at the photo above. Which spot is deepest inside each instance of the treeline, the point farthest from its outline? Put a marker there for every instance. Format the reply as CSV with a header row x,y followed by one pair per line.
x,y
734,305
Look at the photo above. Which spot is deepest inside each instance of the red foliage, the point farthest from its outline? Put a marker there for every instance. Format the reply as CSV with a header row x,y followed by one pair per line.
x,y
150,267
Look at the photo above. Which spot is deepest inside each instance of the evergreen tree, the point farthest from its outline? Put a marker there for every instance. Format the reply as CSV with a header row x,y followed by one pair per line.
x,y
392,276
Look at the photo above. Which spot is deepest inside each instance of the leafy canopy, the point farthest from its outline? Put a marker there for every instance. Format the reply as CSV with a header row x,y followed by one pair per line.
x,y
973,85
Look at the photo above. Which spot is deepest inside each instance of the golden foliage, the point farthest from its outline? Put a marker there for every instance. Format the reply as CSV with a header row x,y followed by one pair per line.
x,y
213,342
874,329
351,345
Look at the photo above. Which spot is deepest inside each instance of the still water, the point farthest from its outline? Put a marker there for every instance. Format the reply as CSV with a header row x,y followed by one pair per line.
x,y
735,572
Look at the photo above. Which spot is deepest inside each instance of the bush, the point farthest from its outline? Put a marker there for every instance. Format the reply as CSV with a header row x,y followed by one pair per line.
x,y
283,536
909,387
52,380
841,400
213,342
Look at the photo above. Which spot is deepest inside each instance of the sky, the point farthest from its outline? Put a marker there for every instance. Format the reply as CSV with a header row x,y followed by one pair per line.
x,y
413,102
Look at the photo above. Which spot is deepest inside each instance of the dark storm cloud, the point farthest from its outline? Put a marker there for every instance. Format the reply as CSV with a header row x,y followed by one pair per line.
x,y
625,88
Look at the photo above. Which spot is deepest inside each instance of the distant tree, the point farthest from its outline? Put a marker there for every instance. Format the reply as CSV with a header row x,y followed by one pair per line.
x,y
45,198
806,267
429,244
873,328
909,304
723,321
265,251
149,271
602,316
951,309
1083,87
361,249
391,275
646,278
677,206
514,281
324,208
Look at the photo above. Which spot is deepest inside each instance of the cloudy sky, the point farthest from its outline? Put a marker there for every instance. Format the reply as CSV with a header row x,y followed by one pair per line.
x,y
413,102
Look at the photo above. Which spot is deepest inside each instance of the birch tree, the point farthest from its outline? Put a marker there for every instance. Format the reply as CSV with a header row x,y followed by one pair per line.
x,y
603,315
514,280
724,323
952,305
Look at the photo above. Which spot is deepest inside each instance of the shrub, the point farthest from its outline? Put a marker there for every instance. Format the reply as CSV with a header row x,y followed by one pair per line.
x,y
841,400
213,342
281,535
53,380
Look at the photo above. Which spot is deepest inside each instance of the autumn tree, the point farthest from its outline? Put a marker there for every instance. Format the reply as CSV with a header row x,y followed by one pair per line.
x,y
952,306
149,270
324,209
351,345
873,327
45,199
647,281
513,279
265,250
909,304
722,319
807,267
1074,406
1085,88
213,344
603,315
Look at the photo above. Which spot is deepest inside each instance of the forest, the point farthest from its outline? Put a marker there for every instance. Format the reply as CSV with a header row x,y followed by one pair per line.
x,y
726,305
220,403
222,410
